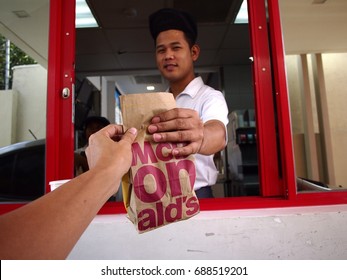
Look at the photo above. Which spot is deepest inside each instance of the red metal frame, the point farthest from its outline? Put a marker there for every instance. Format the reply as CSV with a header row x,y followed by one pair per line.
x,y
276,191
282,100
264,101
270,86
255,202
61,75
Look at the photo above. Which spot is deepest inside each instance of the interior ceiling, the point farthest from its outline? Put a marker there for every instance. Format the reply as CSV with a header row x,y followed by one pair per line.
x,y
126,46
122,49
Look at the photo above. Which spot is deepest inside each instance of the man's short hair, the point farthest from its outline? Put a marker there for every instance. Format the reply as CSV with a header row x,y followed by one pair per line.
x,y
167,19
98,119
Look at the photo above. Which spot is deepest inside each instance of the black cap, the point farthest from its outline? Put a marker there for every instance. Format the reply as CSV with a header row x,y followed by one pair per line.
x,y
98,119
166,19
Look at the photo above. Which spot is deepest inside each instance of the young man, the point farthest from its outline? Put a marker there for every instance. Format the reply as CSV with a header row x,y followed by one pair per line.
x,y
202,113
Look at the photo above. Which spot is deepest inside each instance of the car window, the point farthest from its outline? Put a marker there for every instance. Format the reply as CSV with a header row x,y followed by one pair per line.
x,y
22,174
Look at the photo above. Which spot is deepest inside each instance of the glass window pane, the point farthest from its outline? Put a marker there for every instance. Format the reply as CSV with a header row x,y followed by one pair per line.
x,y
118,62
23,92
317,82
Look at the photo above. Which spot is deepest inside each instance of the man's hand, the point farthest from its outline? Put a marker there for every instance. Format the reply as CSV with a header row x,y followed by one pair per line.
x,y
104,152
179,126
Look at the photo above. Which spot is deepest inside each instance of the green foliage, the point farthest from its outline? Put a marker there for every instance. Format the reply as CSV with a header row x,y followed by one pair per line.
x,y
17,57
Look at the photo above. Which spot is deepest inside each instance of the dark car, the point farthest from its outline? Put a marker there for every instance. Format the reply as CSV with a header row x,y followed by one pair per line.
x,y
22,171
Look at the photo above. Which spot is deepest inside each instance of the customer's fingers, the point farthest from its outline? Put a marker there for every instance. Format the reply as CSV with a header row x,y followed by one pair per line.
x,y
130,135
112,130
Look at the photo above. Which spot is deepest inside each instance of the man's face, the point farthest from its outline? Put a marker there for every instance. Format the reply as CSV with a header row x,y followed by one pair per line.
x,y
174,57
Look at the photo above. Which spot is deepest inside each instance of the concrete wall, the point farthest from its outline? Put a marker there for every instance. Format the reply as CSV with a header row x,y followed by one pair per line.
x,y
24,107
8,117
286,233
30,81
336,86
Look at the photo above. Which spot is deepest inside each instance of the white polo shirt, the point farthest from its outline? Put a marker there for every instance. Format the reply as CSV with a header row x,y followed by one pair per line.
x,y
211,105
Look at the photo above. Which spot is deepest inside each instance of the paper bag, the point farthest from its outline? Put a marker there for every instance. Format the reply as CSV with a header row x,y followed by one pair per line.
x,y
158,189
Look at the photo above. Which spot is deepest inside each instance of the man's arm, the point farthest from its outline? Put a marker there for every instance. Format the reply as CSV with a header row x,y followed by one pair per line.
x,y
184,126
214,137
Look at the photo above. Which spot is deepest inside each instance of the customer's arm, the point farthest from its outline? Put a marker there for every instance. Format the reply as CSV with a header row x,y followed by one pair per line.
x,y
49,227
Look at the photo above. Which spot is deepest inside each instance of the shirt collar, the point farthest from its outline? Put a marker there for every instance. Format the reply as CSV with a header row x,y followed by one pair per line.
x,y
193,87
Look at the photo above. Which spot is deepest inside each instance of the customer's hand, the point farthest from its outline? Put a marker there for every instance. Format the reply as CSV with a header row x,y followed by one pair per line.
x,y
63,215
104,152
179,125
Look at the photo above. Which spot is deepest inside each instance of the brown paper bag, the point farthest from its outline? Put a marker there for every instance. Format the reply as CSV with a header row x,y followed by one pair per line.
x,y
158,188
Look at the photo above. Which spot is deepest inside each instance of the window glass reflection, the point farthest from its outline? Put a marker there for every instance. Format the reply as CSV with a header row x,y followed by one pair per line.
x,y
317,80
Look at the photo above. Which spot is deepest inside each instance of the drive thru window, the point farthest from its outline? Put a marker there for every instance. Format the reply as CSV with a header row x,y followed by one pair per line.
x,y
276,169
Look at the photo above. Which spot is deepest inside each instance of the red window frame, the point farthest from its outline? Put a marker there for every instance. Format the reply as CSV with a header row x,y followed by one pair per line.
x,y
276,159
275,147
61,76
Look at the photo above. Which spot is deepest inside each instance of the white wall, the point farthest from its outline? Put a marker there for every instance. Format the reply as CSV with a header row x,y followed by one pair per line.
x,y
30,81
336,87
286,233
335,76
30,33
8,116
24,107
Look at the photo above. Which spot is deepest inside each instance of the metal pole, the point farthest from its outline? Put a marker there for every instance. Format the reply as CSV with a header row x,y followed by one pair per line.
x,y
7,64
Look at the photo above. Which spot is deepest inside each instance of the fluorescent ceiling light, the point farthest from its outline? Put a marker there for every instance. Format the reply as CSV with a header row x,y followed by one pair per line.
x,y
84,17
150,88
242,15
